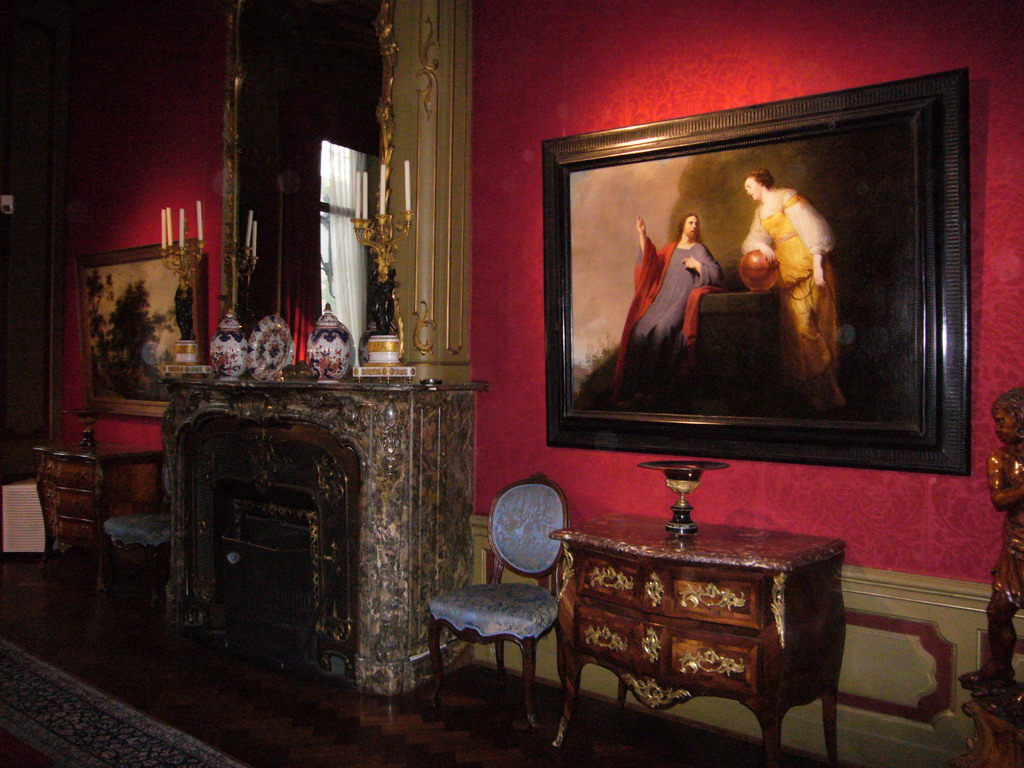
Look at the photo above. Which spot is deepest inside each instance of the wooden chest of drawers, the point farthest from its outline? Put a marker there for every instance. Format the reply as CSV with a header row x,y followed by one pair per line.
x,y
747,614
80,488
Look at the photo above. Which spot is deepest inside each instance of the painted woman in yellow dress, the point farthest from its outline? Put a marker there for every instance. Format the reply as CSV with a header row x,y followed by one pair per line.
x,y
789,231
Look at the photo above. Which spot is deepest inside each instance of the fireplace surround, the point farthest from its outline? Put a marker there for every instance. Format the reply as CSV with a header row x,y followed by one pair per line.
x,y
375,479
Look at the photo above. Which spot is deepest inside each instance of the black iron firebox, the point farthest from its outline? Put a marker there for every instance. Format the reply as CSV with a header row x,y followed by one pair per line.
x,y
276,564
269,610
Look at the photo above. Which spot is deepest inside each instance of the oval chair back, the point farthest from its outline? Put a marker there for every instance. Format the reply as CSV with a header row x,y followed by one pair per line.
x,y
523,515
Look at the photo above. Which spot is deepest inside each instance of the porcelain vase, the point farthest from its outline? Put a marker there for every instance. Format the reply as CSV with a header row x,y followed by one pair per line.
x,y
228,348
329,347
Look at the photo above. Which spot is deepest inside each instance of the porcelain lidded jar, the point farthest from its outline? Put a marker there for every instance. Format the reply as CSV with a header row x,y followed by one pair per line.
x,y
228,349
329,347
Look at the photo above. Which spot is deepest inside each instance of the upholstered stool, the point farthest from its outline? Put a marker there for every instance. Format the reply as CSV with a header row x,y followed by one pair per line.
x,y
148,533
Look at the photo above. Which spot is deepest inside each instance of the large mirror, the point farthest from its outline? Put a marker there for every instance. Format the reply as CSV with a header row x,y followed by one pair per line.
x,y
305,78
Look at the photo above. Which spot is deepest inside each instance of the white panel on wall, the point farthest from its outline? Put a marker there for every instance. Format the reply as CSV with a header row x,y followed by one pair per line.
x,y
23,529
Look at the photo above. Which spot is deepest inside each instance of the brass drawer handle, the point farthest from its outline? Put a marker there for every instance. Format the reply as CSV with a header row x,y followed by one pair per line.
x,y
610,578
651,644
568,569
779,606
654,589
653,695
604,638
709,661
711,596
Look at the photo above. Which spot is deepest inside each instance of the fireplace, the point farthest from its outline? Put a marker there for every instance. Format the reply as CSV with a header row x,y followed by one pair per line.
x,y
312,522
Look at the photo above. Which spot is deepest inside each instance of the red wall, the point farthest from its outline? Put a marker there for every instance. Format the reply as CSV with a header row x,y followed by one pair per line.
x,y
144,132
563,67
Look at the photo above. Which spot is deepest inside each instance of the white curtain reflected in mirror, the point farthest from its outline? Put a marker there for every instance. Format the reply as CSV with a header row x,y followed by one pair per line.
x,y
343,261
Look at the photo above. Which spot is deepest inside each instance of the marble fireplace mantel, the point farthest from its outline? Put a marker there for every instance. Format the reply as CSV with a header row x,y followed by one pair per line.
x,y
413,451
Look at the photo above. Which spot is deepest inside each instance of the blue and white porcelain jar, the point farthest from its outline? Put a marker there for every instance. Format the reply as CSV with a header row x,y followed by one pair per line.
x,y
228,349
329,347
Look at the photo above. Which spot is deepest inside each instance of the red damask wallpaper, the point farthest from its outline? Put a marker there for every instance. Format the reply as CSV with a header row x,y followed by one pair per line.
x,y
142,137
146,97
564,67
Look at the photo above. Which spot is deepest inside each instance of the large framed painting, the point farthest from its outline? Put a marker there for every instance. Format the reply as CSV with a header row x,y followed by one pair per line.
x,y
783,282
126,302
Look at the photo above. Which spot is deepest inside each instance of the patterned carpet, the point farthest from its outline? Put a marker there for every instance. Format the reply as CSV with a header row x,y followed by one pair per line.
x,y
50,713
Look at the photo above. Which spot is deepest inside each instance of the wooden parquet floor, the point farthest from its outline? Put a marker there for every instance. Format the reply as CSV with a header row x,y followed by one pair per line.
x,y
118,643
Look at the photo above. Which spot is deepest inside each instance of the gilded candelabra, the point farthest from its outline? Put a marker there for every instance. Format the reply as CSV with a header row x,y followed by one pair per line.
x,y
382,235
244,261
183,259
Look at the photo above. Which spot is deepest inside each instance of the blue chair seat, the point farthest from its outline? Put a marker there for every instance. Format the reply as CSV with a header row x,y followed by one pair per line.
x,y
519,610
145,530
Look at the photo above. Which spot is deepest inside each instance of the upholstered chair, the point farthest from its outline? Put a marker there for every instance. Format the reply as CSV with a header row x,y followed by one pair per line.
x,y
145,533
522,518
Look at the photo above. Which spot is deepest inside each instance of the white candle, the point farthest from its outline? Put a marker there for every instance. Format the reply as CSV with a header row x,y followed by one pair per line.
x,y
359,195
248,230
181,227
199,219
254,224
366,194
382,189
163,229
408,187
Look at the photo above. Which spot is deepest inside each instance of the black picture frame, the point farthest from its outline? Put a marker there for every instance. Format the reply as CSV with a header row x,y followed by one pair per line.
x,y
887,167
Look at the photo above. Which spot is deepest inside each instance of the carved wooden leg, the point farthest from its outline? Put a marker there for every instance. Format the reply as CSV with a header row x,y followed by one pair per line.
x,y
570,688
622,694
434,642
558,655
47,544
529,649
828,717
103,569
771,735
996,744
499,658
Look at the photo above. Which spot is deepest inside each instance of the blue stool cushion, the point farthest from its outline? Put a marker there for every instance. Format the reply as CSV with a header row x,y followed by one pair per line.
x,y
147,530
520,610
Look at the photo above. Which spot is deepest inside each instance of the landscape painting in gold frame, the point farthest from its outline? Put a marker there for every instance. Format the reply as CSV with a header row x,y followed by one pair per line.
x,y
127,329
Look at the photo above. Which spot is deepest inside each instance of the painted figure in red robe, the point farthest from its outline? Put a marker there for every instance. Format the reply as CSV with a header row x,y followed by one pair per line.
x,y
652,352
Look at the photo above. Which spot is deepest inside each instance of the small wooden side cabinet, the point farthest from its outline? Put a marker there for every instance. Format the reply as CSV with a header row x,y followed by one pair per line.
x,y
746,614
79,488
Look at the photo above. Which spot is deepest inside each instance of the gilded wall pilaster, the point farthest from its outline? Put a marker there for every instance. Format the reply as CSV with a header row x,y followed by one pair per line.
x,y
432,131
